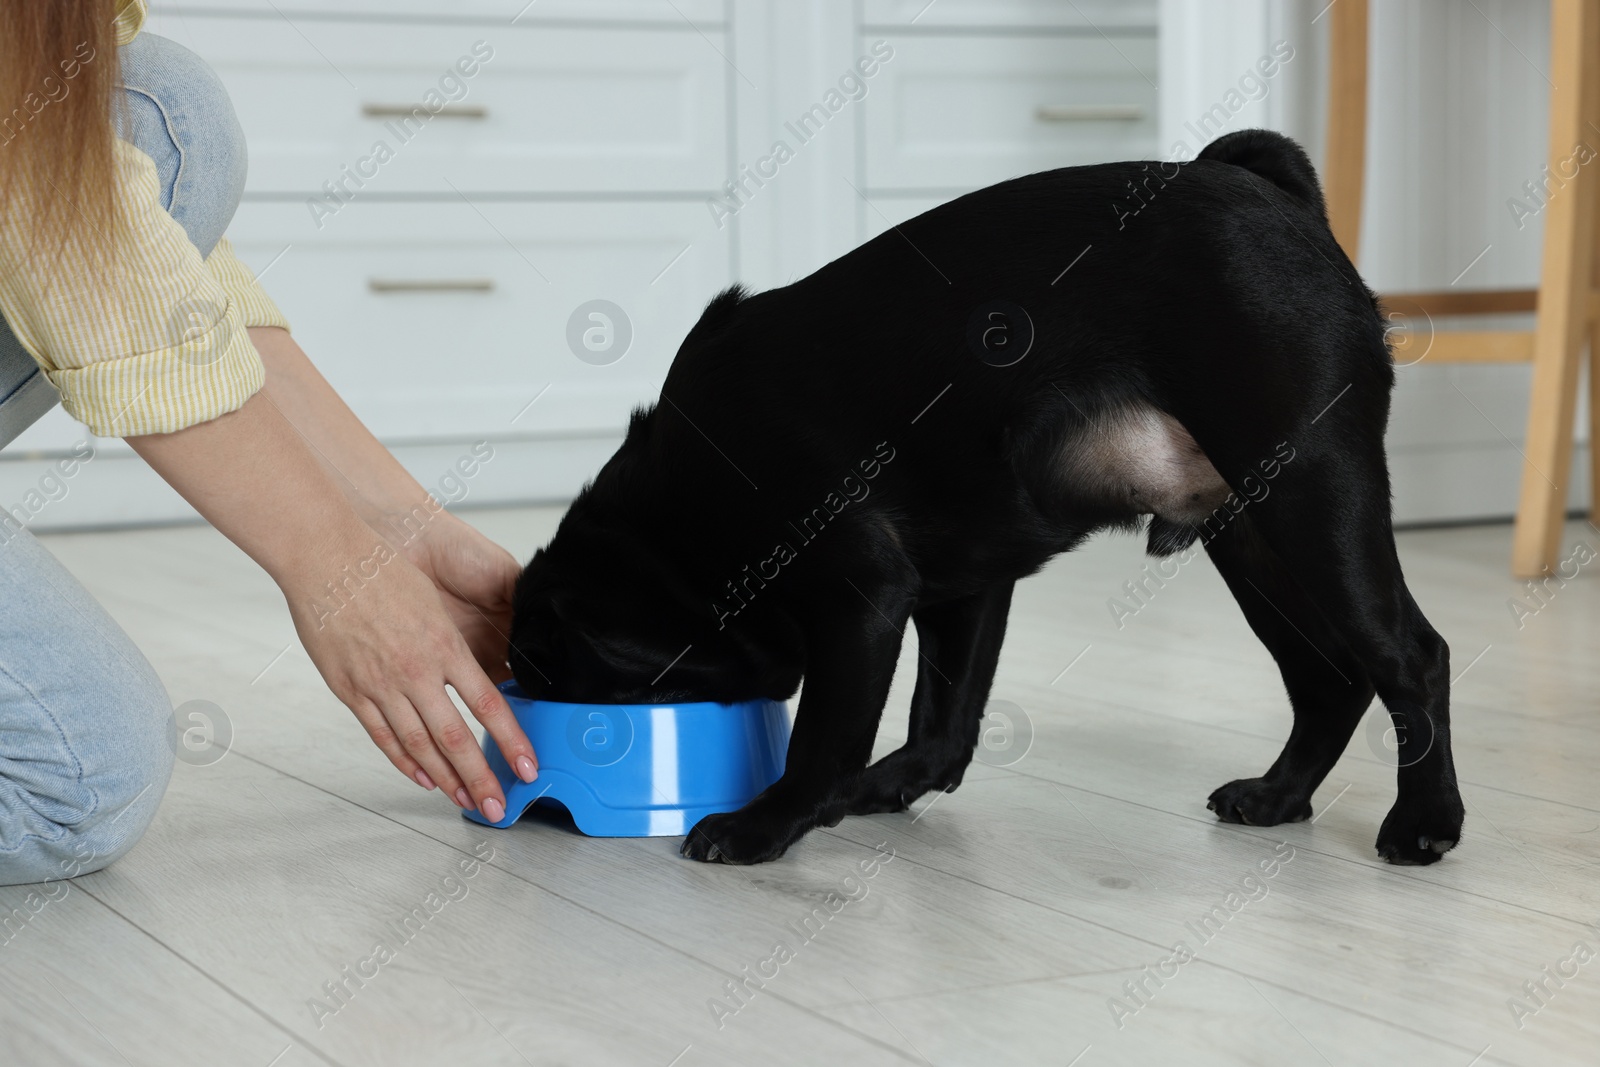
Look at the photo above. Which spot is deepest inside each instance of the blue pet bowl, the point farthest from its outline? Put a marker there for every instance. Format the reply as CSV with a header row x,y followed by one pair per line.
x,y
641,770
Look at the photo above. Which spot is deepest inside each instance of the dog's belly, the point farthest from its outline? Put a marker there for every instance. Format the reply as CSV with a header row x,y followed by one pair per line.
x,y
1143,460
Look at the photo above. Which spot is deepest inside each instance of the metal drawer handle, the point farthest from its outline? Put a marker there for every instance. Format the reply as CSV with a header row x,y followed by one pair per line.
x,y
431,285
1089,113
405,111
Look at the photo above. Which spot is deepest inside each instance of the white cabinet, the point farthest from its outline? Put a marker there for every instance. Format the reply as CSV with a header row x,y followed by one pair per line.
x,y
441,320
492,14
396,108
963,111
974,18
436,190
971,92
978,92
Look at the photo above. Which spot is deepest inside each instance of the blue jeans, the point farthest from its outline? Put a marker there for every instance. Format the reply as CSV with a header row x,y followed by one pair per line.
x,y
87,733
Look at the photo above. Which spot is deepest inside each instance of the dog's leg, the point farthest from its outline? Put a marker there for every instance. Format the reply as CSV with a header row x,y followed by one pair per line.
x,y
851,653
1328,688
1355,575
1327,518
959,642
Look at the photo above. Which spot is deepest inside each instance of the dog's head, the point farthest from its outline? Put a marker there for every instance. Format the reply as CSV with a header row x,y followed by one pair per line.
x,y
599,617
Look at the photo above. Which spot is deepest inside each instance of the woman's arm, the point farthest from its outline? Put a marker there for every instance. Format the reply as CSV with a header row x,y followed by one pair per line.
x,y
374,482
372,622
475,577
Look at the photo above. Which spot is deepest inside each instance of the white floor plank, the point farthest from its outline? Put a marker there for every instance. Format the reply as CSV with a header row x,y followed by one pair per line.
x,y
1200,1016
83,987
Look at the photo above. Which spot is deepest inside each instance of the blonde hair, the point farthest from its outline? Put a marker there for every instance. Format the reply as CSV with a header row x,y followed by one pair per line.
x,y
58,89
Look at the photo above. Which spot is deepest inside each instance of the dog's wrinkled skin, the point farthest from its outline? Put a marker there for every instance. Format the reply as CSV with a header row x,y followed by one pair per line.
x,y
1219,339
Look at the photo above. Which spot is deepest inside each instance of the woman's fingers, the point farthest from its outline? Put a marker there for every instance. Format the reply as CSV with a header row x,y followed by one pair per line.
x,y
489,707
377,727
402,722
456,742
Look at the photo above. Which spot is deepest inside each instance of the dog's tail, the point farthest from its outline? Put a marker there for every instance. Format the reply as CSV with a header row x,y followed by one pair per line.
x,y
1274,157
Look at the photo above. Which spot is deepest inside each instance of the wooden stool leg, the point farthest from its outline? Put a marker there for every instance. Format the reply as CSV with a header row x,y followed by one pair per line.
x,y
1594,367
1594,418
1344,157
1564,284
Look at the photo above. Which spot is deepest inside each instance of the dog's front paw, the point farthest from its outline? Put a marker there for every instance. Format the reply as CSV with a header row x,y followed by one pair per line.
x,y
900,778
749,835
1258,802
876,795
1416,834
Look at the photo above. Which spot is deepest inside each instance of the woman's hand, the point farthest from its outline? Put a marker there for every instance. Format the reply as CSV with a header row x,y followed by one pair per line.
x,y
475,578
380,633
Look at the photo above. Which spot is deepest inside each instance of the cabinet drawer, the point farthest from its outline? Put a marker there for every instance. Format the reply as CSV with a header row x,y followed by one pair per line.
x,y
553,109
961,112
489,13
434,321
1092,16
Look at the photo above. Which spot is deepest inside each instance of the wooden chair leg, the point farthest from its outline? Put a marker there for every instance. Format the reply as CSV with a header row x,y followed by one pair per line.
x,y
1344,157
1594,372
1564,284
1594,418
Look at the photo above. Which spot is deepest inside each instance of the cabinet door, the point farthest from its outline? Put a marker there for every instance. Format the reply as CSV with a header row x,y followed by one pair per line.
x,y
707,14
447,320
381,108
979,16
958,112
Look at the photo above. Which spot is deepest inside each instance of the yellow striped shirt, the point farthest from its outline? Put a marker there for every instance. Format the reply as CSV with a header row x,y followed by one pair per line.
x,y
164,347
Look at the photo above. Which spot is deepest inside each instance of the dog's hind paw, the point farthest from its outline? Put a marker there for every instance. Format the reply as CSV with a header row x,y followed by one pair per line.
x,y
1258,802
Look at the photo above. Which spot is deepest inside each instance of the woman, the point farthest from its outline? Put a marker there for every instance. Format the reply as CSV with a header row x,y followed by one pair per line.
x,y
121,163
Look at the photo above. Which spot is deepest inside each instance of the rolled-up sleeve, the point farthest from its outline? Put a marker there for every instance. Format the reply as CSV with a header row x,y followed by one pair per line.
x,y
255,306
153,344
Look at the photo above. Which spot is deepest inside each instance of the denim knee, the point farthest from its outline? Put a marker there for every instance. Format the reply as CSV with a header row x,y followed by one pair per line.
x,y
178,113
129,795
91,797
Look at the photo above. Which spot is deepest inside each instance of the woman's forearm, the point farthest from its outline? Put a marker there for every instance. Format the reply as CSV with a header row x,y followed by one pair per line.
x,y
253,477
373,481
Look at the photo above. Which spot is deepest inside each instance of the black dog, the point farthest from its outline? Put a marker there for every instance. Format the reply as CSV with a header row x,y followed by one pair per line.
x,y
908,431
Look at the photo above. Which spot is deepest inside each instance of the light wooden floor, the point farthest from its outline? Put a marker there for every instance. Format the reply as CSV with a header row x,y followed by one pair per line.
x,y
1012,914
